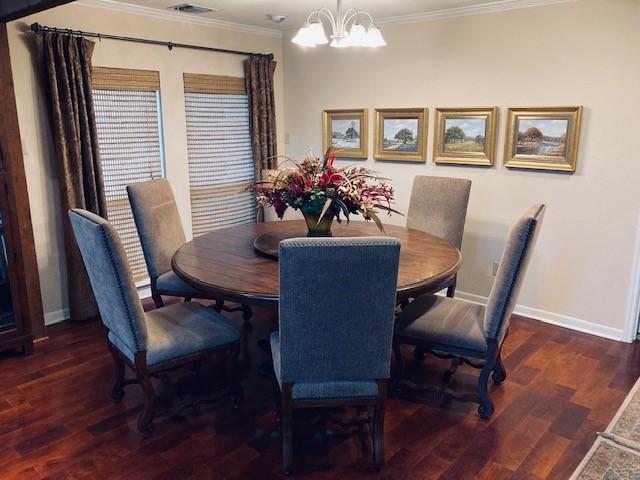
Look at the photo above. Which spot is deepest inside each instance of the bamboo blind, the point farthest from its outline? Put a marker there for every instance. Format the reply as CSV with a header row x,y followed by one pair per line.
x,y
219,152
199,83
105,78
129,136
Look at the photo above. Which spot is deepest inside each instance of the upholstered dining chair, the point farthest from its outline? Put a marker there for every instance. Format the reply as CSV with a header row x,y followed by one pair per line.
x,y
160,230
470,333
336,311
438,205
148,343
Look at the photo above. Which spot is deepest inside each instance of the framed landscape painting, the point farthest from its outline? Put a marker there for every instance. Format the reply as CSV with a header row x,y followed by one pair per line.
x,y
346,132
543,138
401,134
465,136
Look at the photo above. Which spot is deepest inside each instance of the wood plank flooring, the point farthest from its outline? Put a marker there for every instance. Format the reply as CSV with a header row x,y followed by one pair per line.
x,y
57,420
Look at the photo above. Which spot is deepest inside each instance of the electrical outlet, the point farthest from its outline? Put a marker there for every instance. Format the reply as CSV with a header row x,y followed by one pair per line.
x,y
495,268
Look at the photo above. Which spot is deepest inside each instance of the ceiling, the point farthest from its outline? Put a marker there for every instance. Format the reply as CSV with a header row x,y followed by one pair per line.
x,y
254,12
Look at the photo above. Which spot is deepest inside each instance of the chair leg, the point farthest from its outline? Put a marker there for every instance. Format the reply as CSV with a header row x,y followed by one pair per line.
x,y
485,410
398,370
449,372
219,305
287,429
245,359
451,291
157,299
378,437
499,372
187,299
418,355
145,419
117,390
233,376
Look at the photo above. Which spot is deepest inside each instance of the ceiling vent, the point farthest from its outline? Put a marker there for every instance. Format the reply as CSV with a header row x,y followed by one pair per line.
x,y
189,8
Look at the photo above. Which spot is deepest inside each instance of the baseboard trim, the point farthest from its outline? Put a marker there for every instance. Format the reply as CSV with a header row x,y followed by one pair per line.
x,y
557,319
56,316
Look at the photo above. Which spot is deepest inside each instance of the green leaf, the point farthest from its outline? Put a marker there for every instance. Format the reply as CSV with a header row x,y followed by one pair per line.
x,y
376,219
388,209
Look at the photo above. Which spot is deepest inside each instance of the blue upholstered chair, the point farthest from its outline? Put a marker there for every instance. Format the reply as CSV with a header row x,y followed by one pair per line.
x,y
336,312
471,333
147,342
438,206
160,230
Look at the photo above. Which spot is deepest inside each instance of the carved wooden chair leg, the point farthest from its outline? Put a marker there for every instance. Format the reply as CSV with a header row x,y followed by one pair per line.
x,y
245,359
287,429
233,376
448,374
157,299
117,391
378,438
499,372
145,426
485,410
378,427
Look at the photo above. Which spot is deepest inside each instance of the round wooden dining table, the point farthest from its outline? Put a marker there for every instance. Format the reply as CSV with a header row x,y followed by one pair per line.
x,y
225,264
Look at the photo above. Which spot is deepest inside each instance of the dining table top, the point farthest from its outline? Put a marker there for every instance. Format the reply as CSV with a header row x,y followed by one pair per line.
x,y
224,263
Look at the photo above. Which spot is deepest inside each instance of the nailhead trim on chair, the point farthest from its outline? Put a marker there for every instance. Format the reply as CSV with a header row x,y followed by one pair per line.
x,y
532,224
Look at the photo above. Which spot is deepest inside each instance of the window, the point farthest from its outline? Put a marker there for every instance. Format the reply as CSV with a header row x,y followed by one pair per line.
x,y
128,118
219,151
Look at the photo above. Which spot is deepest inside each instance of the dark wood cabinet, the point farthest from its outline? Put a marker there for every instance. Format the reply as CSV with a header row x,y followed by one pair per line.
x,y
21,317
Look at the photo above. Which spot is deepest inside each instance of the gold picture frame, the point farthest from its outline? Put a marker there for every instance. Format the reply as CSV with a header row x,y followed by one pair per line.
x,y
465,136
347,131
543,138
401,134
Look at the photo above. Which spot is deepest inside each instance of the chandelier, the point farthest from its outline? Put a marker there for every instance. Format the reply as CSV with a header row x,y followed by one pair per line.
x,y
346,29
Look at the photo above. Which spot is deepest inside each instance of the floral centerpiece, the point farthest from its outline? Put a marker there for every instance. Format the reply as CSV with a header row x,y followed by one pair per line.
x,y
322,192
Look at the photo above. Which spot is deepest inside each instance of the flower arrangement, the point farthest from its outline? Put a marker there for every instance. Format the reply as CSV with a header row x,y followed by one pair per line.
x,y
323,192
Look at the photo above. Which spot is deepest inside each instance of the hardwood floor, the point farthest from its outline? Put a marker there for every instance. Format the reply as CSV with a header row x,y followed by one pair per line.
x,y
57,420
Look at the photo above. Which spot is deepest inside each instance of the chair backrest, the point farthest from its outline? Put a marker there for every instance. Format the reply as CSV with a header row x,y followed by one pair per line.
x,y
158,222
110,277
438,206
337,301
513,266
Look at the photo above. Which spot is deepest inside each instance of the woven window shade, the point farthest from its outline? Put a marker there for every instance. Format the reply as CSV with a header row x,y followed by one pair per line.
x,y
220,158
129,136
105,78
197,83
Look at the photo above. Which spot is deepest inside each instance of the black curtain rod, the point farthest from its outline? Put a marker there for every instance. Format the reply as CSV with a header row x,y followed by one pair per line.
x,y
37,28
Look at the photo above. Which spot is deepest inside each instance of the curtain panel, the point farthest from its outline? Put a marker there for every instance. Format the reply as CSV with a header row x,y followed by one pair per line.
x,y
258,72
67,61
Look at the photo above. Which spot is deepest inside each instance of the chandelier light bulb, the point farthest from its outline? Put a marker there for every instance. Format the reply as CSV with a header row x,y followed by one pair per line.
x,y
304,37
357,36
374,37
316,33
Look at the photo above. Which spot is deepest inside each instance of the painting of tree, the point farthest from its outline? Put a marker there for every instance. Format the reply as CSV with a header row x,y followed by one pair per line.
x,y
404,135
454,134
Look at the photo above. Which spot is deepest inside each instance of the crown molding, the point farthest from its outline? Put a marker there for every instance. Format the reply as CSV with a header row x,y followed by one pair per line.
x,y
484,8
179,17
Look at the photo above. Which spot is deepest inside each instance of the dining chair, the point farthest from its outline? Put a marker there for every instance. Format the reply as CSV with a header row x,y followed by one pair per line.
x,y
336,312
471,333
161,234
438,206
152,342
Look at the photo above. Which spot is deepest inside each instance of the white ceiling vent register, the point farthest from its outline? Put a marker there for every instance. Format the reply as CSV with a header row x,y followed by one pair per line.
x,y
189,8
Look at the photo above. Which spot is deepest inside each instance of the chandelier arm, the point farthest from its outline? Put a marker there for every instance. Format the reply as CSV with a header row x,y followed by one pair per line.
x,y
315,12
327,13
349,16
371,22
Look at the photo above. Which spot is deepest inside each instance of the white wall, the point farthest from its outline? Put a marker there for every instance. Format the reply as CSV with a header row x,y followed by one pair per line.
x,y
33,114
579,53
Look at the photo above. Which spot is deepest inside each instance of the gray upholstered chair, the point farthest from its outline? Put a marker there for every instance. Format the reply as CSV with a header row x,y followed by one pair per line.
x,y
160,229
470,333
336,313
438,206
148,343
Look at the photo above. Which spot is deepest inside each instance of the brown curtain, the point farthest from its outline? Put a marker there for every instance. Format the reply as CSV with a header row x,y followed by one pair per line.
x,y
258,74
67,62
